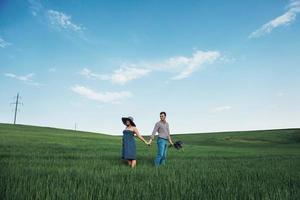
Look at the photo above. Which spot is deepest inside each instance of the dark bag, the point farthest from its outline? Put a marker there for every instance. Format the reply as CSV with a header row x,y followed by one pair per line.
x,y
177,145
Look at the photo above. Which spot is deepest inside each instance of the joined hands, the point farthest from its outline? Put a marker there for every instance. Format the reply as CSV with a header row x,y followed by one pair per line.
x,y
148,142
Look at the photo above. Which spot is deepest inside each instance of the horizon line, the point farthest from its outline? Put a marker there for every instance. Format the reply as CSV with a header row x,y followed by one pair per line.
x,y
212,132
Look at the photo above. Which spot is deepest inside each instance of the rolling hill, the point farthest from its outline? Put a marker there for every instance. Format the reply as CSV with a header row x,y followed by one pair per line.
x,y
49,163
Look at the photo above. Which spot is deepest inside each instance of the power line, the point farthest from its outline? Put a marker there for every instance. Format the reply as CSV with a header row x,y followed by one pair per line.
x,y
17,103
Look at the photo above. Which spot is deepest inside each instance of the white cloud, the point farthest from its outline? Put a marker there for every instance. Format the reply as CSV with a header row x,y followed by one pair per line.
x,y
183,66
192,64
3,43
25,79
63,21
57,20
285,19
52,69
221,108
125,74
120,76
280,94
35,7
104,97
89,74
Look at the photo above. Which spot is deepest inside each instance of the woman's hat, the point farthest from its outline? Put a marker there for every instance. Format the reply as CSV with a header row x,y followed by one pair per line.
x,y
124,119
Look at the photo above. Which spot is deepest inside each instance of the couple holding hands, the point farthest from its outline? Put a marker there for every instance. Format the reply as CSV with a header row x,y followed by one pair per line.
x,y
129,147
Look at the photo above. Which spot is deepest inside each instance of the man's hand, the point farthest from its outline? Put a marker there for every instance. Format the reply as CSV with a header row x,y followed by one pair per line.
x,y
171,143
149,142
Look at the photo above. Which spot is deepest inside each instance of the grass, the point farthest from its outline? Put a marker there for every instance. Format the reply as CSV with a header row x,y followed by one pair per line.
x,y
48,163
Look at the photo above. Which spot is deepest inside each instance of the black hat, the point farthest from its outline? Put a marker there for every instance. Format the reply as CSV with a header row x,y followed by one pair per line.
x,y
177,144
124,119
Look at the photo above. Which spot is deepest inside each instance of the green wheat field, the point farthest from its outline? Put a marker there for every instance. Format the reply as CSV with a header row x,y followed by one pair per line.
x,y
48,163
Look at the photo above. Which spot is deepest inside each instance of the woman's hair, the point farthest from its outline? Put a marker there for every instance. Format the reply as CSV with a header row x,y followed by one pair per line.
x,y
163,113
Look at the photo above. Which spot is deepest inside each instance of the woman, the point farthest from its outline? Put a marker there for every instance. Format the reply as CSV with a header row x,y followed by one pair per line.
x,y
128,147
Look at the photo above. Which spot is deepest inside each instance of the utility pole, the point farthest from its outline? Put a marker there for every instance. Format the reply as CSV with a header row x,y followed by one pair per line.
x,y
75,128
17,103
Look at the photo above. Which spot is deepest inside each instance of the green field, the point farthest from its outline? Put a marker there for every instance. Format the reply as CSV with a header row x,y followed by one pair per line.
x,y
48,163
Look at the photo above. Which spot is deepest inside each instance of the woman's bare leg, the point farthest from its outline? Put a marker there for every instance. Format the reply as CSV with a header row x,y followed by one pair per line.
x,y
129,162
133,163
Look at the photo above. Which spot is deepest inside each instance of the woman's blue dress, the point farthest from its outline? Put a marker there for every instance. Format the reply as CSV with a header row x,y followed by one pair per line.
x,y
128,146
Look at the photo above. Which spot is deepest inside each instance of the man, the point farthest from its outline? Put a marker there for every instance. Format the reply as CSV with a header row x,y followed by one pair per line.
x,y
162,127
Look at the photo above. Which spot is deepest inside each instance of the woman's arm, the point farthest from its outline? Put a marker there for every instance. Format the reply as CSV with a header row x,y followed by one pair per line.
x,y
136,131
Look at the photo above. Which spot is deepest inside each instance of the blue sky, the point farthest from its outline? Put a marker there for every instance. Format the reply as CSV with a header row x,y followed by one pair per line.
x,y
211,66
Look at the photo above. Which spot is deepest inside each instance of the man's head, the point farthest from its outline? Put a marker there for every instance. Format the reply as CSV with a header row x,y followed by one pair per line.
x,y
162,116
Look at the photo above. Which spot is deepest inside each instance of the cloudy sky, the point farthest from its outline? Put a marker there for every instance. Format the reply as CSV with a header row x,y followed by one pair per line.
x,y
211,66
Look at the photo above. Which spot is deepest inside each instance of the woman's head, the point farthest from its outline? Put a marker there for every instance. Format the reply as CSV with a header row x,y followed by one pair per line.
x,y
128,121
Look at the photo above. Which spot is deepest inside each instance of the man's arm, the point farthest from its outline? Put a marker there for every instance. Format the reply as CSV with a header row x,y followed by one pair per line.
x,y
155,129
169,136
